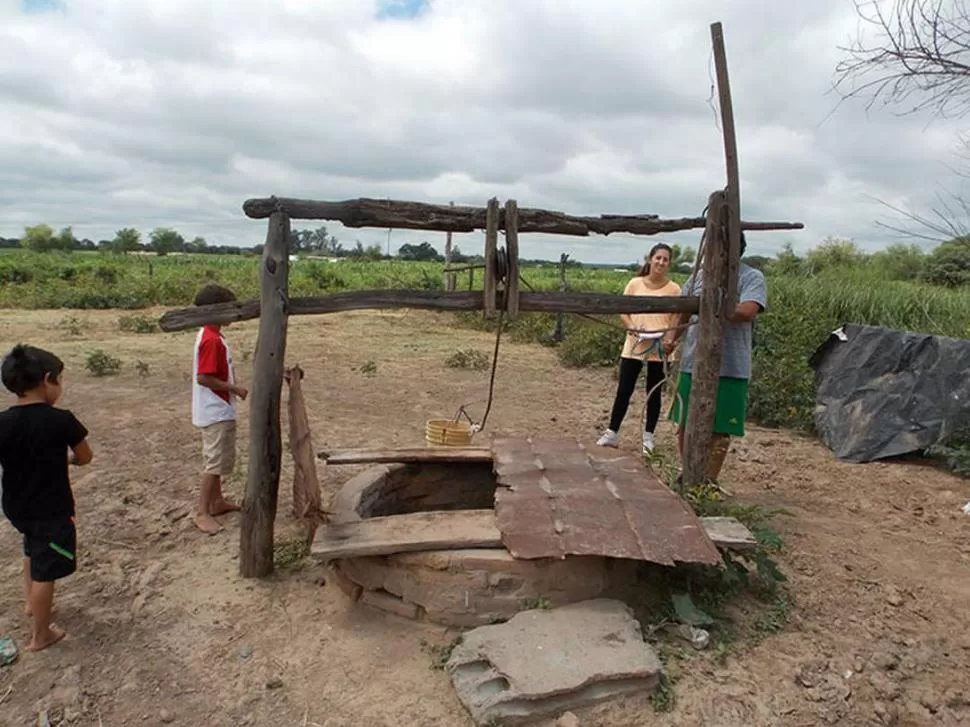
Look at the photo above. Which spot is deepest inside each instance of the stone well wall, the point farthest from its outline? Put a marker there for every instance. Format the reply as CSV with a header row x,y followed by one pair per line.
x,y
452,587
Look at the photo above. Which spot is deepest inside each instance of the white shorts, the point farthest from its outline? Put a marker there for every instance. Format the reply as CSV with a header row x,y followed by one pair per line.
x,y
219,448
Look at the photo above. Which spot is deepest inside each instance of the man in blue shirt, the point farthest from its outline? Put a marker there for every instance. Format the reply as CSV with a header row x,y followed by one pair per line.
x,y
731,405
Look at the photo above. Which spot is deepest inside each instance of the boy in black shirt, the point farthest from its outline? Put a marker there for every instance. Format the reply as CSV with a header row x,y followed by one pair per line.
x,y
37,499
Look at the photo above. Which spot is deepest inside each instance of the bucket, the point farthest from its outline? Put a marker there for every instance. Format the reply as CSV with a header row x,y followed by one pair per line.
x,y
448,433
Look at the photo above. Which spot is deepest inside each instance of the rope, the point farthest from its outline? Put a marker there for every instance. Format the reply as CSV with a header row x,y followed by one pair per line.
x,y
491,383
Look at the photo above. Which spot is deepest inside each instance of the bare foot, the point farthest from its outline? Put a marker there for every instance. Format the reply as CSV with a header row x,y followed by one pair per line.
x,y
221,507
54,634
207,524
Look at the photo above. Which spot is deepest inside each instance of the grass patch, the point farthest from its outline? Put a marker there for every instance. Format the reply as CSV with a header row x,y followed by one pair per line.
x,y
98,363
291,555
468,358
441,653
137,324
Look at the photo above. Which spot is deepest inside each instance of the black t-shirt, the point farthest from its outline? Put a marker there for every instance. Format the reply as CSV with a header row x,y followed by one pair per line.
x,y
34,440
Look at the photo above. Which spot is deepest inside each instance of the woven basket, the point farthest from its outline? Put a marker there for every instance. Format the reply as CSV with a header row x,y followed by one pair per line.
x,y
447,433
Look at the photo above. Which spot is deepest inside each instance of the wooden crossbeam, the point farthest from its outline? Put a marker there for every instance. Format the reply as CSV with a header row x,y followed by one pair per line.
x,y
398,214
590,303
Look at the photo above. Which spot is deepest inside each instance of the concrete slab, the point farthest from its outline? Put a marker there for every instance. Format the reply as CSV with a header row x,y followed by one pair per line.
x,y
543,662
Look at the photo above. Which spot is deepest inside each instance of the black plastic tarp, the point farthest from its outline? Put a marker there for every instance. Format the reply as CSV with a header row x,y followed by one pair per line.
x,y
883,393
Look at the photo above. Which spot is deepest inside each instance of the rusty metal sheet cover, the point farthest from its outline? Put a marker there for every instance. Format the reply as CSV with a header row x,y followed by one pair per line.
x,y
556,498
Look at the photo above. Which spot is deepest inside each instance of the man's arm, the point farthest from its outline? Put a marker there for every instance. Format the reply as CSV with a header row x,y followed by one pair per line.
x,y
744,312
752,297
678,324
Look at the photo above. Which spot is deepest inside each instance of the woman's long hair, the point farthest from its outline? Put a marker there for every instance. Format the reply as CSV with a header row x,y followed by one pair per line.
x,y
645,269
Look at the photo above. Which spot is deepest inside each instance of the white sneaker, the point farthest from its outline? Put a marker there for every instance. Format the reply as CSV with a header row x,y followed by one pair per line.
x,y
648,442
609,439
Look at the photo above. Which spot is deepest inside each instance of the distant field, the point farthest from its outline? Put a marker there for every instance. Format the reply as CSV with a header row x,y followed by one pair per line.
x,y
95,280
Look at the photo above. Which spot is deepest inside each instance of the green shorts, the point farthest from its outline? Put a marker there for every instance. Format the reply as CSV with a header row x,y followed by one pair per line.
x,y
729,410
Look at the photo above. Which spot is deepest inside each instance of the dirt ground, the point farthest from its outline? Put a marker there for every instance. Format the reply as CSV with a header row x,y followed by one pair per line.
x,y
163,630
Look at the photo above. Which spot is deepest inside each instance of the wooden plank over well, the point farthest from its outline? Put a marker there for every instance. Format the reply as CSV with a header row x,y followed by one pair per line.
x,y
407,533
415,455
728,533
555,498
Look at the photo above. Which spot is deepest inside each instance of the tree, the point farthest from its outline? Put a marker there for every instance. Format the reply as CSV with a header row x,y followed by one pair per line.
x,y
916,57
126,240
900,262
370,253
918,54
318,241
39,238
758,262
834,254
424,252
786,261
198,245
949,264
65,240
165,240
682,258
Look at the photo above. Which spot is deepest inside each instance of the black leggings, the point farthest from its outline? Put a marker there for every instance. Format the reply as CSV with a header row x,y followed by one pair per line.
x,y
630,369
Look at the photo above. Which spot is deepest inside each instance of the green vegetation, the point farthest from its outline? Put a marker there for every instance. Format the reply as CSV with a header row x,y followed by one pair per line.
x,y
99,363
808,296
291,555
468,358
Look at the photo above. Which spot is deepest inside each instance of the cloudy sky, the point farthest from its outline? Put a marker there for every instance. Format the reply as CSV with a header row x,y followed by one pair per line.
x,y
151,113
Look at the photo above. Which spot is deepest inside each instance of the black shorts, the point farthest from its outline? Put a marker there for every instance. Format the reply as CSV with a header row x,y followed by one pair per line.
x,y
51,546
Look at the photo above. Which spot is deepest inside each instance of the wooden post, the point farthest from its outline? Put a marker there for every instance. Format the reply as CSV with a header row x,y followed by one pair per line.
x,y
471,278
491,249
707,352
512,248
265,441
557,332
731,162
449,276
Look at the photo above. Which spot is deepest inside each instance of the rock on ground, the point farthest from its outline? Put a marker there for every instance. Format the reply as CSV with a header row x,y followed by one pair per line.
x,y
541,662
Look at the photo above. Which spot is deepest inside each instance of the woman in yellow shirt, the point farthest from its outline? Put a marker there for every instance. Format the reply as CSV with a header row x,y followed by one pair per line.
x,y
644,342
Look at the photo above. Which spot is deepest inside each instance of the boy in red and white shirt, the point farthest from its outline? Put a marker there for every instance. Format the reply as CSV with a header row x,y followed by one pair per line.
x,y
214,391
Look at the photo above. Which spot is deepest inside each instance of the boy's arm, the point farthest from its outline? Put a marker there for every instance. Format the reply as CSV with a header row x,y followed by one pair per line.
x,y
76,438
211,382
81,454
210,352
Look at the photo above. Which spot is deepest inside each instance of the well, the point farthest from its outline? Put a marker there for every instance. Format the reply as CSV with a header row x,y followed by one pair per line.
x,y
465,537
461,587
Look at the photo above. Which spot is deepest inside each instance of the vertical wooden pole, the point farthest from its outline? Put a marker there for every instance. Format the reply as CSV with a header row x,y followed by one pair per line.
x,y
265,440
557,332
449,276
471,278
731,162
707,353
512,248
491,249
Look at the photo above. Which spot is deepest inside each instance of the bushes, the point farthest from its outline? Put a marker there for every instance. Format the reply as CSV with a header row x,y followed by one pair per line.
x,y
802,312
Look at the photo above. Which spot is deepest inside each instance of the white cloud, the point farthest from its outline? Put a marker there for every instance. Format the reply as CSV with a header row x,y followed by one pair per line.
x,y
144,113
